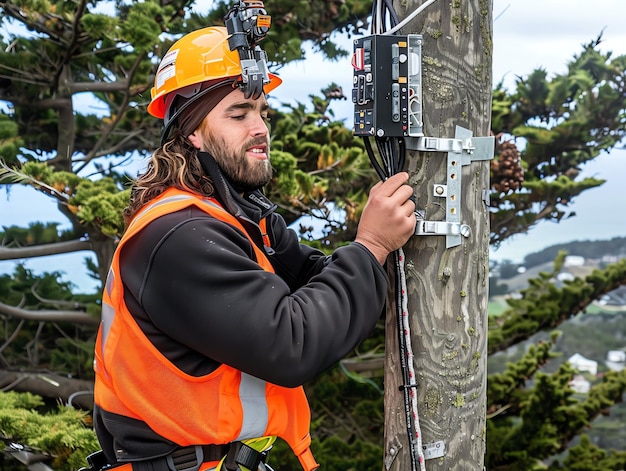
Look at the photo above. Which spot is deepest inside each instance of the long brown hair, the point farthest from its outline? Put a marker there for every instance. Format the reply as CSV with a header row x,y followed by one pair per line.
x,y
174,164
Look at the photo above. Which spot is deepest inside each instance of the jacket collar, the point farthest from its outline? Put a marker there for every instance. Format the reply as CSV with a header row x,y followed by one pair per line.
x,y
253,205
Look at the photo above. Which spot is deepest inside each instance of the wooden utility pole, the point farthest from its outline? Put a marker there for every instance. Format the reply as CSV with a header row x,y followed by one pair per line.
x,y
447,287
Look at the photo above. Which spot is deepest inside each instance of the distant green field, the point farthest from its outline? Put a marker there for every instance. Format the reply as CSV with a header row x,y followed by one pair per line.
x,y
497,305
597,309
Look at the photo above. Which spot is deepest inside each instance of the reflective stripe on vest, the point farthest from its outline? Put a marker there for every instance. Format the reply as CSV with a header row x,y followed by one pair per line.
x,y
135,380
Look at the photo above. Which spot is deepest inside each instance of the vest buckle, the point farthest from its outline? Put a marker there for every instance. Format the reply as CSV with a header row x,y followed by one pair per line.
x,y
241,455
186,459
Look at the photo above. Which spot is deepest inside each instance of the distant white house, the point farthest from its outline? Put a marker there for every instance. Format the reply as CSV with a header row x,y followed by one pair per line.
x,y
565,276
574,261
616,356
580,384
610,258
615,360
583,364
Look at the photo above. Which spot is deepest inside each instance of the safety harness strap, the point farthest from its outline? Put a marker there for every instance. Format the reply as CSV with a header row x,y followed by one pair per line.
x,y
241,454
190,458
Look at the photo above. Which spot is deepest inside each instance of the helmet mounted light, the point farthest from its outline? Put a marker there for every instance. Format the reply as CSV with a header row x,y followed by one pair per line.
x,y
247,23
214,54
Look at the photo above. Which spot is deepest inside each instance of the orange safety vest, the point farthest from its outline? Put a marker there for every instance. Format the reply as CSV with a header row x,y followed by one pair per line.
x,y
135,380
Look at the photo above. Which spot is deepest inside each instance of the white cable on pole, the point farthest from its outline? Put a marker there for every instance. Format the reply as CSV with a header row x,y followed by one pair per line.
x,y
408,351
379,26
410,17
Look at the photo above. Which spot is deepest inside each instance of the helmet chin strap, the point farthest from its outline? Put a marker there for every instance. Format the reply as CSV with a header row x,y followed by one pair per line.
x,y
222,187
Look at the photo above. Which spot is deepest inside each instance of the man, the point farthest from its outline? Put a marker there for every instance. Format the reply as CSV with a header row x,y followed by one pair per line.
x,y
214,315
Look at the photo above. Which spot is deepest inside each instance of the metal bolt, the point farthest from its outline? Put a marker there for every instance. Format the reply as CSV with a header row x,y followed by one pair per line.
x,y
466,231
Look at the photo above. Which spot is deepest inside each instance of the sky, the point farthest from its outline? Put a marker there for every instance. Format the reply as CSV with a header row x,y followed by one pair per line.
x,y
527,34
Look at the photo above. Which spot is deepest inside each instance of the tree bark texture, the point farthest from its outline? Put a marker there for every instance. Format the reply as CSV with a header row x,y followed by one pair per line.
x,y
75,392
447,287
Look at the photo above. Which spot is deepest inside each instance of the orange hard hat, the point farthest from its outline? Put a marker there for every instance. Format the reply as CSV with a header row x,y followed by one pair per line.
x,y
200,56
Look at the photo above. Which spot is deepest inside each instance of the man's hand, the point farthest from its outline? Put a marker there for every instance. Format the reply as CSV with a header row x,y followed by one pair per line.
x,y
388,219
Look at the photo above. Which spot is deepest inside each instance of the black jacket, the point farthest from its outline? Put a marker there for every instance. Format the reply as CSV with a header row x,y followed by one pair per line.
x,y
193,285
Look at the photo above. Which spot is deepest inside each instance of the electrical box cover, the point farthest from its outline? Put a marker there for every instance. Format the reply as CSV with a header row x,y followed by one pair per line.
x,y
387,86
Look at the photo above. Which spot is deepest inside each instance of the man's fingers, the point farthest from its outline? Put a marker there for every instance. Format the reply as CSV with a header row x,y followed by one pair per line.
x,y
409,207
391,185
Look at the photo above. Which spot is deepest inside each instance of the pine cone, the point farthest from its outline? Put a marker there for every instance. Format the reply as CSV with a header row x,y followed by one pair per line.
x,y
507,173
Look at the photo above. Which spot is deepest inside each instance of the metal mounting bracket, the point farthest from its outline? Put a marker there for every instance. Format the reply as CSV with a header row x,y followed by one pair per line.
x,y
446,228
462,150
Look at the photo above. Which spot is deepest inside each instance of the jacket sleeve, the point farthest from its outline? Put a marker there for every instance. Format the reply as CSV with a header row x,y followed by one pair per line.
x,y
203,289
294,262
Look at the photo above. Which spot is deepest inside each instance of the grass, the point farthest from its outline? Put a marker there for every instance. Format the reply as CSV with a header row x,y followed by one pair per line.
x,y
496,306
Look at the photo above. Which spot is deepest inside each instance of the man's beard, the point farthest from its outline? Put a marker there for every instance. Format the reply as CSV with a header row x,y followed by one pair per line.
x,y
245,174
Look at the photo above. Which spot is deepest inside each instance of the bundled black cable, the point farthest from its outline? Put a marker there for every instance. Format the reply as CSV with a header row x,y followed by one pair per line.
x,y
392,152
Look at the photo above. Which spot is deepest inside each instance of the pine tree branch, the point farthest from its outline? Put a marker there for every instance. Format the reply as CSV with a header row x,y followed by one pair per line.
x,y
47,384
544,306
505,390
44,250
118,116
55,302
77,317
20,177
